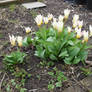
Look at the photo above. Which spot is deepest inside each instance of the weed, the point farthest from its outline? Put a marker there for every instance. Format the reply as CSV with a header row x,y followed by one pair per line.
x,y
58,79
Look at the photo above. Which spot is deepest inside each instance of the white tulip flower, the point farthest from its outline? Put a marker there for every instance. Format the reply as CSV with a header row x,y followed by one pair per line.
x,y
66,13
61,18
80,24
50,16
79,33
54,24
28,29
12,40
85,36
19,40
75,24
39,20
60,26
69,29
46,20
75,18
90,29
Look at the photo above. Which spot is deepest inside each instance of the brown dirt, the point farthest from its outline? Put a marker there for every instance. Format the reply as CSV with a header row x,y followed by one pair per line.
x,y
13,22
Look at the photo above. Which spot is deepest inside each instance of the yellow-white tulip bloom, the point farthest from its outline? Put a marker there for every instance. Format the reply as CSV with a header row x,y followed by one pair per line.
x,y
90,29
60,26
80,24
75,18
12,40
79,33
28,29
19,40
69,29
75,24
61,18
50,16
46,20
54,24
85,36
66,13
54,19
39,20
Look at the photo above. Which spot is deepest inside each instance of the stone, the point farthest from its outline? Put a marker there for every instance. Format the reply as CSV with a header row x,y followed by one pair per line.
x,y
32,5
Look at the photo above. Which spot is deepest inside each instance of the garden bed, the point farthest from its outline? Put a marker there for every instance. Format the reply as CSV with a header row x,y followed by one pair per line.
x,y
13,20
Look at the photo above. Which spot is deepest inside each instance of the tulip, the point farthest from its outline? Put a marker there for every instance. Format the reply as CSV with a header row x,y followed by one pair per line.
x,y
69,29
60,26
46,20
39,20
80,24
12,40
79,33
54,19
50,16
66,13
90,29
75,18
61,18
54,24
28,30
85,36
19,40
75,24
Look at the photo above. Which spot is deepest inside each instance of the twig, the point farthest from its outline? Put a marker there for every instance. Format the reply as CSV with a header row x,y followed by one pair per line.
x,y
32,90
2,81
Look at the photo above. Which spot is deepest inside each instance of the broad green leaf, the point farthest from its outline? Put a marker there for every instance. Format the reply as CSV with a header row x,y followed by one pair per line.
x,y
68,60
76,60
53,57
40,53
70,43
63,54
74,51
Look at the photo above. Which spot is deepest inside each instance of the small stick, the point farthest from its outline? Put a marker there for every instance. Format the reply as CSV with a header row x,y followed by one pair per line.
x,y
2,81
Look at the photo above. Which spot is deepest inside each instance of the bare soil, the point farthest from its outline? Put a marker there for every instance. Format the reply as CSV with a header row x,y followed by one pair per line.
x,y
13,21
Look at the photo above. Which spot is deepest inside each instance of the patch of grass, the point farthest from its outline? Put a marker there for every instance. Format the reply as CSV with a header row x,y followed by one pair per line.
x,y
57,79
17,82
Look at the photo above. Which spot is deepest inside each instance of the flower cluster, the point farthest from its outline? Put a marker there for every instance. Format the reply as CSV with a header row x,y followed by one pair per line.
x,y
19,39
59,23
13,40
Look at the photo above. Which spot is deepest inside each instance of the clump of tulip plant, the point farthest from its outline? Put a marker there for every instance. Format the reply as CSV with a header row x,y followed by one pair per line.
x,y
55,41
